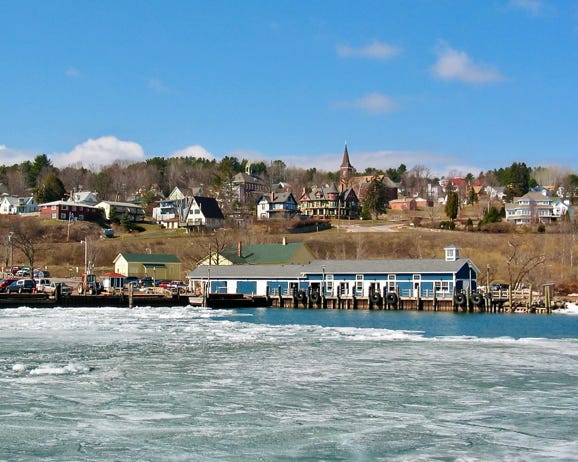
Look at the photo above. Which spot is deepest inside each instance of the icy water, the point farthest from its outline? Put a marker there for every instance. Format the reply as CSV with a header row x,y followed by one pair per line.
x,y
266,384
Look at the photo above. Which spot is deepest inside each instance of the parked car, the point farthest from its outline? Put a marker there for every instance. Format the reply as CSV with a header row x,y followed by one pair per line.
x,y
40,273
42,283
168,285
499,287
22,286
23,272
131,281
146,281
178,286
65,289
5,283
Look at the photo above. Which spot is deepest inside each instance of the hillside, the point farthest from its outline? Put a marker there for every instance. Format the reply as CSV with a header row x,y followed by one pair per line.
x,y
501,256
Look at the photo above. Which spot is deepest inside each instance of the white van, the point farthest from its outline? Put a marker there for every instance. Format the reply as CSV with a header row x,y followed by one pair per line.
x,y
42,283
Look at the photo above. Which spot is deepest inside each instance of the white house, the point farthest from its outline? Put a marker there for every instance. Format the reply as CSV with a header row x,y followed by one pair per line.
x,y
204,212
533,207
135,212
495,192
84,197
560,207
10,205
277,205
172,211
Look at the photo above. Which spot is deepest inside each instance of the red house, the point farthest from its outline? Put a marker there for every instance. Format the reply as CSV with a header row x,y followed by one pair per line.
x,y
63,210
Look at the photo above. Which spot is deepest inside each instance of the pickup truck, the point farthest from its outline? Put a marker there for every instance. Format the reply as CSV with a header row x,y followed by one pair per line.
x,y
65,289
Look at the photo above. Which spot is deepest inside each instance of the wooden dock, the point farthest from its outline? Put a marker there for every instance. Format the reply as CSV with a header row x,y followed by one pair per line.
x,y
41,300
476,303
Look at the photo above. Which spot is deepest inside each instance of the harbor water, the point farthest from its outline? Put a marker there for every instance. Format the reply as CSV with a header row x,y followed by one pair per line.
x,y
281,384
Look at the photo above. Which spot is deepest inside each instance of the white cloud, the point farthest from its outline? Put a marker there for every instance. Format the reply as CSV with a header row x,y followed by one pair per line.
x,y
95,153
193,151
375,50
72,72
457,65
534,7
439,164
10,156
374,103
157,85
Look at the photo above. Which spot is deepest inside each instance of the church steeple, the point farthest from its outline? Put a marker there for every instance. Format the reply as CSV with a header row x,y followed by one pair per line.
x,y
346,169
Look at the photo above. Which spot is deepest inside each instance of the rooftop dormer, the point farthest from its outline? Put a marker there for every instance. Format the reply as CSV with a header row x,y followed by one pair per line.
x,y
452,253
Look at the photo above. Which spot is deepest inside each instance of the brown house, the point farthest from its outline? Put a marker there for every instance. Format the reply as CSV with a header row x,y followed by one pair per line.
x,y
403,204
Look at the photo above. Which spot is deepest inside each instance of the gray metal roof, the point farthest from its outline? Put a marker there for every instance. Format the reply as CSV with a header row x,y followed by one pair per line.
x,y
412,266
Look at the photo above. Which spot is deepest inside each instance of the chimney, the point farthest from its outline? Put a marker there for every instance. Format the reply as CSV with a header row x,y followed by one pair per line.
x,y
239,249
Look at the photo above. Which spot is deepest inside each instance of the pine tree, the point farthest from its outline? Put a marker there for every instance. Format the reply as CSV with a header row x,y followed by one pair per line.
x,y
375,202
452,205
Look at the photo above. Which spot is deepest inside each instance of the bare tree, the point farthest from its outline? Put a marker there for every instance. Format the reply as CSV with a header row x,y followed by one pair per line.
x,y
16,182
26,235
416,180
521,262
212,247
550,176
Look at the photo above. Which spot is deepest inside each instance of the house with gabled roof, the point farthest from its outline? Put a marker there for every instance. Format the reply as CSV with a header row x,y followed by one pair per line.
x,y
361,184
560,207
170,212
84,197
533,207
203,212
248,187
404,277
405,203
495,192
277,206
70,211
157,266
10,205
190,212
133,212
328,202
261,254
178,193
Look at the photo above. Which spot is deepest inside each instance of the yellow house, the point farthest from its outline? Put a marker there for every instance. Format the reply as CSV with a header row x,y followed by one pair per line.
x,y
157,266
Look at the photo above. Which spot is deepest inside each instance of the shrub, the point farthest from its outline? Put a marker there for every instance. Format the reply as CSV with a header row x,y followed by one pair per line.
x,y
499,227
567,287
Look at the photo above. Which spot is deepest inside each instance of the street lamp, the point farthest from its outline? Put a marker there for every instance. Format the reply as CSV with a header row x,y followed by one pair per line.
x,y
11,254
85,242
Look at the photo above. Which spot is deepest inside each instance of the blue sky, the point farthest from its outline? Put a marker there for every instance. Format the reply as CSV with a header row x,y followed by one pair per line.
x,y
456,86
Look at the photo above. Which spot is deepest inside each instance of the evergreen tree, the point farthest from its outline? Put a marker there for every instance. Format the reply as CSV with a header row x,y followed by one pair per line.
x,y
472,196
396,174
452,205
516,178
33,170
375,202
50,190
492,215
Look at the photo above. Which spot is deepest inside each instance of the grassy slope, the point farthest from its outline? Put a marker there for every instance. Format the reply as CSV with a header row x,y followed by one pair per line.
x,y
369,241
